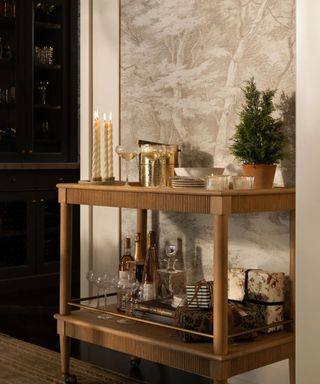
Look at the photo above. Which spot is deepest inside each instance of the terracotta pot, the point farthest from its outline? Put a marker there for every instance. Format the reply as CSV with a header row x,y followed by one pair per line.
x,y
263,174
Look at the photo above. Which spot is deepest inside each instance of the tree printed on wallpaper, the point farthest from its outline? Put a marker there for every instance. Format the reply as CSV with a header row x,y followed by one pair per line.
x,y
183,63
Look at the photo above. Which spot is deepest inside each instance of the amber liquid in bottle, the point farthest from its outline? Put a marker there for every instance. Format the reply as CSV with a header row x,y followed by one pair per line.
x,y
126,258
150,268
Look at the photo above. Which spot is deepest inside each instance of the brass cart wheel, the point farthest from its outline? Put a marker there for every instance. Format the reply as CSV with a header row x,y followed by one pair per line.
x,y
69,379
135,361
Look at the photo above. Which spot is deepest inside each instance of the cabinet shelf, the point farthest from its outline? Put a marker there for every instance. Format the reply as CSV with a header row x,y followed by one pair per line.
x,y
48,107
219,359
50,67
47,25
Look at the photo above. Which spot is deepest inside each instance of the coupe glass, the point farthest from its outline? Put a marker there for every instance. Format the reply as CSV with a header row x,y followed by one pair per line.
x,y
127,153
92,277
106,282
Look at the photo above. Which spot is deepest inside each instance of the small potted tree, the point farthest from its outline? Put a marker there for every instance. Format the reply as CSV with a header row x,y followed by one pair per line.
x,y
259,140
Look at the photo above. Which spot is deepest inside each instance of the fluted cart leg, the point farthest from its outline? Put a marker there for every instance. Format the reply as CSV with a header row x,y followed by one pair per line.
x,y
292,370
65,285
220,302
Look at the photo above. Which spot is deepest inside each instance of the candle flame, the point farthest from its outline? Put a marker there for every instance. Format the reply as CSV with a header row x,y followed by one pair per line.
x,y
96,114
109,117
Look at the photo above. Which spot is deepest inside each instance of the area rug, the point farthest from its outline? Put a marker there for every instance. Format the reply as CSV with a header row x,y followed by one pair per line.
x,y
25,363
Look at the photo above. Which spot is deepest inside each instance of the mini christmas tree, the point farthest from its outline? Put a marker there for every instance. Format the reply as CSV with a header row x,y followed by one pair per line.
x,y
259,138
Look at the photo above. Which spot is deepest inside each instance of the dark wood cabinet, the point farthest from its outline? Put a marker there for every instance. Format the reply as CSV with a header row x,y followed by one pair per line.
x,y
39,124
38,82
30,228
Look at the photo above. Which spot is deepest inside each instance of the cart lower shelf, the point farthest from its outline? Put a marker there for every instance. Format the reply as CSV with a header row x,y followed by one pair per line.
x,y
164,346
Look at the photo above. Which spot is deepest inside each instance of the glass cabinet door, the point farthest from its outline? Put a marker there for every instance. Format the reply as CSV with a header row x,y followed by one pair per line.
x,y
39,81
49,71
8,48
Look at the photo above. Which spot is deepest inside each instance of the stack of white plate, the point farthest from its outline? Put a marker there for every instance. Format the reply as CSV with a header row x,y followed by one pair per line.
x,y
187,182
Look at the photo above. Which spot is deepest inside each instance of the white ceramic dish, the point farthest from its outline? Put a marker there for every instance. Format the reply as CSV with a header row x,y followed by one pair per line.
x,y
198,172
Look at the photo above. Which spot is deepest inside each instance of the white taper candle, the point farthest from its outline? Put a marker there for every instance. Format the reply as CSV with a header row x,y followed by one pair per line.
x,y
96,167
110,146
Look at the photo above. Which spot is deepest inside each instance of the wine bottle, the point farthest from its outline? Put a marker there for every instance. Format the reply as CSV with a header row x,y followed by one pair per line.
x,y
138,257
150,268
126,258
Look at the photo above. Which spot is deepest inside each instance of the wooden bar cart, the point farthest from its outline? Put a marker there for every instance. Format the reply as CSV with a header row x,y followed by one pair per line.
x,y
218,360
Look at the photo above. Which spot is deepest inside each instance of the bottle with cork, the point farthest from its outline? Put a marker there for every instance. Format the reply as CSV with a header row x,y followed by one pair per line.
x,y
126,274
150,268
126,258
138,256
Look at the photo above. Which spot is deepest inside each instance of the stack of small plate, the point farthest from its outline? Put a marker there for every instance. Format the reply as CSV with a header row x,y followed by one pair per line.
x,y
187,182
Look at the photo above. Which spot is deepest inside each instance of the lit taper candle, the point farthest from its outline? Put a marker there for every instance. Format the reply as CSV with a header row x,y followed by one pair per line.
x,y
96,167
108,147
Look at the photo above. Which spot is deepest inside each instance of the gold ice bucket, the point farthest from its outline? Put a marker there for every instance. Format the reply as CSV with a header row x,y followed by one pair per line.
x,y
154,169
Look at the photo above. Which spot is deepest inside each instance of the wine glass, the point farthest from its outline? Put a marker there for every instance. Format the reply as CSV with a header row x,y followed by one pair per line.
x,y
106,281
130,292
92,277
171,252
127,153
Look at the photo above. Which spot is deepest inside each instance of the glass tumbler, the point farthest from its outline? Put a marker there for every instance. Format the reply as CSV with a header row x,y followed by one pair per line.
x,y
217,182
242,182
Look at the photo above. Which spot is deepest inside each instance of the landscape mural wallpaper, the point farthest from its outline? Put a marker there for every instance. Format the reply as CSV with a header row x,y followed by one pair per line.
x,y
183,64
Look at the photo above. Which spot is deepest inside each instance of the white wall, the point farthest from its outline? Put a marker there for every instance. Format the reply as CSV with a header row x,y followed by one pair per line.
x,y
308,186
99,90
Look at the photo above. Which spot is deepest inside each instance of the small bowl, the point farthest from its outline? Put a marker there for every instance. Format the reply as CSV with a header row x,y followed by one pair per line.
x,y
198,172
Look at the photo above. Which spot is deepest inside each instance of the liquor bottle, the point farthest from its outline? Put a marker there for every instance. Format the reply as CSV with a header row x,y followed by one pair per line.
x,y
150,268
138,257
126,258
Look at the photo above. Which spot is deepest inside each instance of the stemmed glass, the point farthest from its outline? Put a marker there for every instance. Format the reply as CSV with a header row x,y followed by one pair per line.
x,y
171,252
106,282
92,276
127,153
131,293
